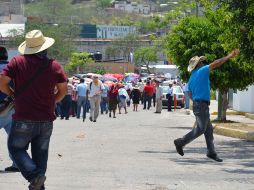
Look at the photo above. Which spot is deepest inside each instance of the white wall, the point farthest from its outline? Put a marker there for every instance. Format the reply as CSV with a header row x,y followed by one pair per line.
x,y
244,100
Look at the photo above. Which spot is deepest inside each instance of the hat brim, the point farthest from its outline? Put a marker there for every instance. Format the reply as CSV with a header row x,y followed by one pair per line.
x,y
23,49
193,66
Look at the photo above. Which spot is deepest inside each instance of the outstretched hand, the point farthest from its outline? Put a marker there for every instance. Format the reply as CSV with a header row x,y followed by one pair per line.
x,y
235,53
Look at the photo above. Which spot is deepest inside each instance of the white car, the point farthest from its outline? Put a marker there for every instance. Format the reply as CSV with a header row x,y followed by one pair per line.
x,y
178,91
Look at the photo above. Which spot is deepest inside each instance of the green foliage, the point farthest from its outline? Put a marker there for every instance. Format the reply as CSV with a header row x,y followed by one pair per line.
x,y
78,60
49,8
236,19
100,71
145,56
192,36
63,34
103,3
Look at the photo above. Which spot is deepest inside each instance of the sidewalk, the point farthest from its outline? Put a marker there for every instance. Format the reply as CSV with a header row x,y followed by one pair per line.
x,y
239,127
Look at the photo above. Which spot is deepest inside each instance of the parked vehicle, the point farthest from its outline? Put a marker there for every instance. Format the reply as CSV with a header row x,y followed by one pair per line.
x,y
178,91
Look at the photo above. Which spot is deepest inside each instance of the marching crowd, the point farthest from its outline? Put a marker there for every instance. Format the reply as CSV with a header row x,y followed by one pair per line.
x,y
98,97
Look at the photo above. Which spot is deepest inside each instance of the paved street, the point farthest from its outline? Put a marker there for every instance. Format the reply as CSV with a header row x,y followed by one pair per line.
x,y
136,152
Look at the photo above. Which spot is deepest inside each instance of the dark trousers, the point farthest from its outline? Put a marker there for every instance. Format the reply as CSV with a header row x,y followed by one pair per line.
x,y
38,134
74,107
170,103
147,100
104,104
66,106
204,126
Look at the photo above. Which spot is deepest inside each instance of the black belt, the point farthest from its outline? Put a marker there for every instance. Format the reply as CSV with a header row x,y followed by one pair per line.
x,y
203,101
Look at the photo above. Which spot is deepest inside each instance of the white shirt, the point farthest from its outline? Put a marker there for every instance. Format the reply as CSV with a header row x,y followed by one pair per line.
x,y
159,92
123,92
95,90
170,91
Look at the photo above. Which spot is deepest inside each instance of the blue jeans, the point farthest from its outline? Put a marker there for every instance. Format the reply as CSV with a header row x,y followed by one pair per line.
x,y
204,126
82,101
104,104
147,99
5,122
38,134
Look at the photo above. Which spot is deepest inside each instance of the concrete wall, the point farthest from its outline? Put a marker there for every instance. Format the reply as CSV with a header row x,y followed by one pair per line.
x,y
244,100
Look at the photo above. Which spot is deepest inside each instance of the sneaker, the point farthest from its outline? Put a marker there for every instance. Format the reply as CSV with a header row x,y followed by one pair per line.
x,y
214,157
37,183
11,169
94,120
179,148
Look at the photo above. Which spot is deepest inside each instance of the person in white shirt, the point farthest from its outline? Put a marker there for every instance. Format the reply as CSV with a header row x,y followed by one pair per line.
x,y
158,96
95,89
123,97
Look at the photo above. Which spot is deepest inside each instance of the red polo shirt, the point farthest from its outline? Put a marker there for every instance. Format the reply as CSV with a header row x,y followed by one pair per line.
x,y
37,102
148,90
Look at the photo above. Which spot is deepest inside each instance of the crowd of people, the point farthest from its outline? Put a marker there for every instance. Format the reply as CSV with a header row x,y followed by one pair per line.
x,y
37,86
99,97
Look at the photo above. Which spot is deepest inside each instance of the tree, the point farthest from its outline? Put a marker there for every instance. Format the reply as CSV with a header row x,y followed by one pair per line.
x,y
78,60
145,56
236,20
103,3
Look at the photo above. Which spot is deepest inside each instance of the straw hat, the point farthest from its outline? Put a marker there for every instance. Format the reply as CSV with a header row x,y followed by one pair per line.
x,y
35,43
194,61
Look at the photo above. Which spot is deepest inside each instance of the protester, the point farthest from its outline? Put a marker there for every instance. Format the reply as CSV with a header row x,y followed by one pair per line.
x,y
159,96
95,89
66,102
34,105
104,100
141,87
199,87
113,100
148,94
82,95
135,96
5,121
186,96
123,98
170,97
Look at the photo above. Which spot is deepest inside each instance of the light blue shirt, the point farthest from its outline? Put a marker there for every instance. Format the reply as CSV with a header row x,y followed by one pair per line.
x,y
199,84
104,93
82,89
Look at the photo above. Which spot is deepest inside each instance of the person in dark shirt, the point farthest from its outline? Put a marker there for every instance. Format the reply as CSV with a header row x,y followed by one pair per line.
x,y
34,107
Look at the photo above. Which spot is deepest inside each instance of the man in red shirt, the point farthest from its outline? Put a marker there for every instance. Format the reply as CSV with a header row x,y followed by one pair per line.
x,y
34,106
148,95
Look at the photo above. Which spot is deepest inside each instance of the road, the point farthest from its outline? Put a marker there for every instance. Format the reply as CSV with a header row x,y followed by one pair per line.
x,y
136,152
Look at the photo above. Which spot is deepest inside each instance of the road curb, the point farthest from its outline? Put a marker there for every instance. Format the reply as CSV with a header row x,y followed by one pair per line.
x,y
249,115
235,133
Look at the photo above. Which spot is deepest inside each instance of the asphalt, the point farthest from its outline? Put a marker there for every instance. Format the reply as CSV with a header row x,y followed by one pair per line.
x,y
136,152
